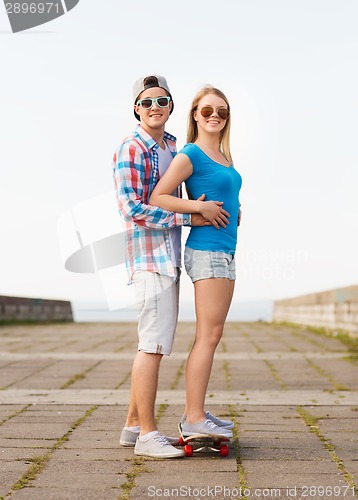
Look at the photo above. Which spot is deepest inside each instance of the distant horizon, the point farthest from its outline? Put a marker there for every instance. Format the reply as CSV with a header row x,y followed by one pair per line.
x,y
96,302
246,310
241,310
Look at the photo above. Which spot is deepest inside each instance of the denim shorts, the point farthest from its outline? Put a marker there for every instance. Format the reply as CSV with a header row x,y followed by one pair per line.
x,y
158,306
203,264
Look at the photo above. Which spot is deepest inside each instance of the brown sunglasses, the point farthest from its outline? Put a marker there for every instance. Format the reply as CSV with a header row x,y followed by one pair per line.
x,y
207,111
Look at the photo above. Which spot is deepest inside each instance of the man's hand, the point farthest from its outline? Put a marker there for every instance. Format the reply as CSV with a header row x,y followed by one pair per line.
x,y
199,220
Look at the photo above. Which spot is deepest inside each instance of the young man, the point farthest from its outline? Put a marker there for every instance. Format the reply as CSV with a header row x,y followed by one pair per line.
x,y
153,256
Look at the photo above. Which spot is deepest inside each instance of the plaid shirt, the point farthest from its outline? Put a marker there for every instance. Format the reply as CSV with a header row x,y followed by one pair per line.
x,y
136,172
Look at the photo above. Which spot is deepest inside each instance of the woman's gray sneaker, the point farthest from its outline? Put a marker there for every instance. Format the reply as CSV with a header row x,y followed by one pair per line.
x,y
129,438
203,428
157,446
227,424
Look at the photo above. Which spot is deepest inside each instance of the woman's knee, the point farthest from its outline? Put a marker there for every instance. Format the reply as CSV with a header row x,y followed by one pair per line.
x,y
210,334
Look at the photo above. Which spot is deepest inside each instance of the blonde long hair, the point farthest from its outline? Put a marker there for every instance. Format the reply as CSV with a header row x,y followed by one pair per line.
x,y
192,133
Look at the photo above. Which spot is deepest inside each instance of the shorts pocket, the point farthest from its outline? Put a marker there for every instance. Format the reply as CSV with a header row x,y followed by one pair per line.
x,y
188,260
139,288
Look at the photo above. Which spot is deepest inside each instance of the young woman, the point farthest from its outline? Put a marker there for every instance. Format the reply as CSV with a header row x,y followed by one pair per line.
x,y
206,166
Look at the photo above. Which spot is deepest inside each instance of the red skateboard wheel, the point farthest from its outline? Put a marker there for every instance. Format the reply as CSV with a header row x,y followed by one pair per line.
x,y
224,450
188,450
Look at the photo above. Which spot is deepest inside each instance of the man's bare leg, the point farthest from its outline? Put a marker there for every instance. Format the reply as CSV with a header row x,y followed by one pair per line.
x,y
144,386
132,416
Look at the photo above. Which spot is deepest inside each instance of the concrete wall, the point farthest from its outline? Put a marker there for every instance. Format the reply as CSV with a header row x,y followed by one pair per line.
x,y
334,309
19,308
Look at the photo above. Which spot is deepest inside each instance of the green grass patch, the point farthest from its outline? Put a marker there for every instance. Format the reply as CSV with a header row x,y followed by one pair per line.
x,y
39,462
135,471
178,376
236,443
79,376
227,375
327,376
161,410
343,336
275,374
124,380
138,463
313,425
15,414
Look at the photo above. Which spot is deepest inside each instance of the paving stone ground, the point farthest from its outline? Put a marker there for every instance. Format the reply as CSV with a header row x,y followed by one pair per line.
x,y
293,395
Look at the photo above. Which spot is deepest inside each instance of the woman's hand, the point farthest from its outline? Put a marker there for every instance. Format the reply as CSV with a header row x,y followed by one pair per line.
x,y
213,212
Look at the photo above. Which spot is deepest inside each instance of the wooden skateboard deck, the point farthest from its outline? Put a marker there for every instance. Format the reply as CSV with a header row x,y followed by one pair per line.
x,y
204,442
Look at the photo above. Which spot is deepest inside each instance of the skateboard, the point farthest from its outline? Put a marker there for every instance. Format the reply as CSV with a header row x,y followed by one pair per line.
x,y
204,442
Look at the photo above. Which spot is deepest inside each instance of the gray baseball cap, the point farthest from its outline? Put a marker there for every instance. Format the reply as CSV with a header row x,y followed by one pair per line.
x,y
148,82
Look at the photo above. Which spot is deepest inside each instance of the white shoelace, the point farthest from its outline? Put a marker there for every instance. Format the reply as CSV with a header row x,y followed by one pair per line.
x,y
161,439
211,424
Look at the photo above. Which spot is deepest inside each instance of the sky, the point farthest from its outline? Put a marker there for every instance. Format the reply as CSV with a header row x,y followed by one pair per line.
x,y
289,69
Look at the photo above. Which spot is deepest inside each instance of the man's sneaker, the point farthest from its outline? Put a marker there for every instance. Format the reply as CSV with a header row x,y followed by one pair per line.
x,y
157,446
227,424
129,438
203,428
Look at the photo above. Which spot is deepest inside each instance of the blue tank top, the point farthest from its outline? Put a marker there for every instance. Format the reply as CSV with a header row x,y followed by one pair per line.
x,y
219,183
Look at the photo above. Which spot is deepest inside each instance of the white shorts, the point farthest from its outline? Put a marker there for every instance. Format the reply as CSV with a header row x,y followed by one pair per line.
x,y
158,306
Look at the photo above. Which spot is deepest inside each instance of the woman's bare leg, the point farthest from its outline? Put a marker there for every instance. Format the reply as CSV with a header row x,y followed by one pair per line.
x,y
212,302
